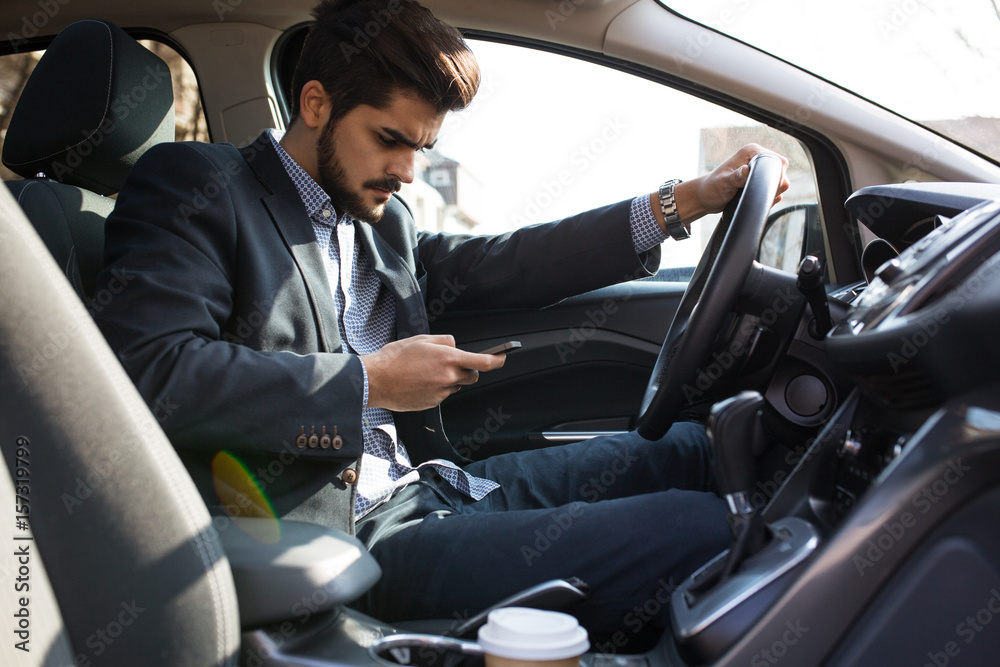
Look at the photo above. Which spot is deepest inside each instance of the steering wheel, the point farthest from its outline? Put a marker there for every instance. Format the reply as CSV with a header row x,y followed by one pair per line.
x,y
719,277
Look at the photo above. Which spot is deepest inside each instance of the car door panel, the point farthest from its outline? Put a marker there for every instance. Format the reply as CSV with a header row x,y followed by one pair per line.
x,y
583,367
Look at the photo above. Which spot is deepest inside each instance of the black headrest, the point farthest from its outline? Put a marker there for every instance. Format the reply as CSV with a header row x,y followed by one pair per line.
x,y
96,101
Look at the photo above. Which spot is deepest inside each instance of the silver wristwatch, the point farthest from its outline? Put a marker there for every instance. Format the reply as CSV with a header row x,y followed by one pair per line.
x,y
674,226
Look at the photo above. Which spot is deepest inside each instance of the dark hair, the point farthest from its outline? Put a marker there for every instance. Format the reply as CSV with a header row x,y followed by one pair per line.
x,y
364,51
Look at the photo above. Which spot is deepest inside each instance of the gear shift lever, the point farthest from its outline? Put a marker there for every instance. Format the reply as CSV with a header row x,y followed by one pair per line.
x,y
737,436
716,606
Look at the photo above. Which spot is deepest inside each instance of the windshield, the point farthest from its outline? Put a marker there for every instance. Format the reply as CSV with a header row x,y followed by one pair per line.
x,y
935,62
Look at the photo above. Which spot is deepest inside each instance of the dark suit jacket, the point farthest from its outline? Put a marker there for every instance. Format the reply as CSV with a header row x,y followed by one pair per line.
x,y
223,316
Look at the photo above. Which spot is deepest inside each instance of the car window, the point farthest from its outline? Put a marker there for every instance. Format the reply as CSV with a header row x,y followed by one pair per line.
x,y
549,135
188,114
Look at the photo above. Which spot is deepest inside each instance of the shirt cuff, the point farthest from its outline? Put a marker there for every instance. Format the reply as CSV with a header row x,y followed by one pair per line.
x,y
646,234
364,372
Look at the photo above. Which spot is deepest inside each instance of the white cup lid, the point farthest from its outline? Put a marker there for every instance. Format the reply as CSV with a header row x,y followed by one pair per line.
x,y
532,634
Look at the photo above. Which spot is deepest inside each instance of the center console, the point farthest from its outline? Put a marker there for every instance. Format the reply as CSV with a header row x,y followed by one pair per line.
x,y
874,514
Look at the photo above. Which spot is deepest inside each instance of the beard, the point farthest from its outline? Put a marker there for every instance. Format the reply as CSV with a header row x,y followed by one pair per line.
x,y
333,180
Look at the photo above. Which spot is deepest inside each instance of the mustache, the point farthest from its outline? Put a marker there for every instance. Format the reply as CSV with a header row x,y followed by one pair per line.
x,y
389,184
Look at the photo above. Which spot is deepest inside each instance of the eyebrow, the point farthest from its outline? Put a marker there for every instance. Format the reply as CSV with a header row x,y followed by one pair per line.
x,y
406,141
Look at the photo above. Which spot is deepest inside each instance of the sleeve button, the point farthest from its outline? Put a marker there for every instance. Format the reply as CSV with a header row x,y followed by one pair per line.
x,y
350,476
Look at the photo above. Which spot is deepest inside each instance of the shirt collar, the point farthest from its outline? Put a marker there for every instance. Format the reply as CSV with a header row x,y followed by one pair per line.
x,y
314,198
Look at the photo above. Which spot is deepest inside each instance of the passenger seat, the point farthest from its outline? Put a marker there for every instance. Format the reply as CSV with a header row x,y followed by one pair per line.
x,y
96,101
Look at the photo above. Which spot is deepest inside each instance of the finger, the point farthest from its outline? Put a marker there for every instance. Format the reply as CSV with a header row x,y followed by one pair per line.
x,y
466,378
479,362
438,339
740,176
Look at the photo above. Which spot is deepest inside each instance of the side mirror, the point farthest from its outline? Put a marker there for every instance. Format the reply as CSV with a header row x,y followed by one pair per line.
x,y
789,235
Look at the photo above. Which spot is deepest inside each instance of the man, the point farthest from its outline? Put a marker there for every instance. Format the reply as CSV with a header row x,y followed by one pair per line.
x,y
280,316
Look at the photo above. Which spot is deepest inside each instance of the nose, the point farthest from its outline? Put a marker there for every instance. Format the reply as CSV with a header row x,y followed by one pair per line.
x,y
402,167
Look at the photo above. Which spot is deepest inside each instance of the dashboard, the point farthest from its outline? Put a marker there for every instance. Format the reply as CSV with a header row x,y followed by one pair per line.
x,y
921,333
885,527
923,330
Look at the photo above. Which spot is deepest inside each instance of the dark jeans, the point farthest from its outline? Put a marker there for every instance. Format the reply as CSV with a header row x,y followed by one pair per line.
x,y
629,517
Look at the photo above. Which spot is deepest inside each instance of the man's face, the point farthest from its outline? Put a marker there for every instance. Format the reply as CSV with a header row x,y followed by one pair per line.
x,y
368,154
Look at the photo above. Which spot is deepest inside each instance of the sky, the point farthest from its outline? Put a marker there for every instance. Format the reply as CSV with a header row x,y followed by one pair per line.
x,y
935,58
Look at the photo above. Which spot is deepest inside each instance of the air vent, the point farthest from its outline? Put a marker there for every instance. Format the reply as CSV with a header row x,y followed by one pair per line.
x,y
907,389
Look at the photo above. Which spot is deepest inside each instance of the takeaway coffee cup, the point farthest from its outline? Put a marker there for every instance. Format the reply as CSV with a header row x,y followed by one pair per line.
x,y
521,637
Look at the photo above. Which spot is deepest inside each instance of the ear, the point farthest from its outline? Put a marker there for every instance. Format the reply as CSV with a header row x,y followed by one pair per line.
x,y
314,105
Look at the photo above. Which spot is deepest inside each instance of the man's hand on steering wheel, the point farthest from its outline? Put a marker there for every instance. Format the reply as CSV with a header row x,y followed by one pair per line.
x,y
710,193
718,279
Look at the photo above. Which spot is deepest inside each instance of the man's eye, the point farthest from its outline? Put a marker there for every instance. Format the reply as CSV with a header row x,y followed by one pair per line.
x,y
386,141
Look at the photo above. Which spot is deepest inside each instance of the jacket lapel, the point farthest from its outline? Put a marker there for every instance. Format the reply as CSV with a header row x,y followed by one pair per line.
x,y
289,215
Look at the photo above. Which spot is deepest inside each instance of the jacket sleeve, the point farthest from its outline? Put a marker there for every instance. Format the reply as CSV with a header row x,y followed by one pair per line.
x,y
171,262
536,266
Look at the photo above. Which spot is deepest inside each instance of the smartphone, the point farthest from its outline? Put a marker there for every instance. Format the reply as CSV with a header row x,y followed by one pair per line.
x,y
509,346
